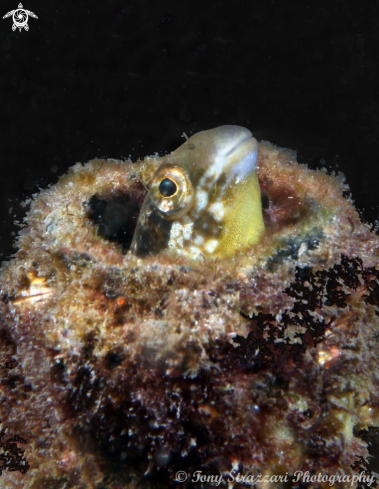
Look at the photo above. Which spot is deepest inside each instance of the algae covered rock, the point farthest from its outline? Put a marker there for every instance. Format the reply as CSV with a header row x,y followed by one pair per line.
x,y
122,372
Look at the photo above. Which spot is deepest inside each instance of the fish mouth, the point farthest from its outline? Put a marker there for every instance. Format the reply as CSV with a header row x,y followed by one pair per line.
x,y
226,139
235,150
239,144
241,160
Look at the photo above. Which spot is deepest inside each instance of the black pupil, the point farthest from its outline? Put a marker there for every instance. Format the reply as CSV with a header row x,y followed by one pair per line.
x,y
167,187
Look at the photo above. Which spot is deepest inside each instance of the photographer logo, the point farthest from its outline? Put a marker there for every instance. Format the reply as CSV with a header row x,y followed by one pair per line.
x,y
20,17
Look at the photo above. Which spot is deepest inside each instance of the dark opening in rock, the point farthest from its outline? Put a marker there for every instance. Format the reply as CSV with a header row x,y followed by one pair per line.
x,y
116,215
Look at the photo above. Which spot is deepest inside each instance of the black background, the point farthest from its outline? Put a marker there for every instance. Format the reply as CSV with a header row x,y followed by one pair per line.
x,y
121,77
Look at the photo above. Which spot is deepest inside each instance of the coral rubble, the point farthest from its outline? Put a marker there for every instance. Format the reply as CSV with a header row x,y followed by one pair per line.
x,y
120,371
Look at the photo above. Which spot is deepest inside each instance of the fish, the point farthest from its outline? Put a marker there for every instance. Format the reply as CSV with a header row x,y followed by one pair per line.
x,y
204,199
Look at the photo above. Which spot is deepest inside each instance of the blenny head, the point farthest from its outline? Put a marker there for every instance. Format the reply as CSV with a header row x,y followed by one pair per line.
x,y
204,199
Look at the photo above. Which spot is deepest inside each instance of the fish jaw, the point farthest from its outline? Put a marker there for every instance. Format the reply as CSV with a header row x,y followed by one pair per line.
x,y
242,225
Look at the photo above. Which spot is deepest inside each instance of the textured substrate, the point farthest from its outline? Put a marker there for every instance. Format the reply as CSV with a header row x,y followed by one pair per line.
x,y
117,371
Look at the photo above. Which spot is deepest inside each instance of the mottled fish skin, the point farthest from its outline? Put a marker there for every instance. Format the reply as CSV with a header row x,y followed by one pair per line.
x,y
212,204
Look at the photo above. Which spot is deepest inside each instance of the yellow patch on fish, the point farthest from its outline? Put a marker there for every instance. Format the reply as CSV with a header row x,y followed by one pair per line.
x,y
204,199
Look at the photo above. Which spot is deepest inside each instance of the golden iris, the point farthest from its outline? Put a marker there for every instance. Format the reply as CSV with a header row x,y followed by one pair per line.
x,y
171,191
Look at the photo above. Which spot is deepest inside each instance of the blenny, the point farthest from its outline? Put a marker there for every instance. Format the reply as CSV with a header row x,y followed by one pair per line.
x,y
204,199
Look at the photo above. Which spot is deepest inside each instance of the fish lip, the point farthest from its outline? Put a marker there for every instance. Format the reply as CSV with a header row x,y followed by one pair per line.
x,y
241,160
239,145
229,137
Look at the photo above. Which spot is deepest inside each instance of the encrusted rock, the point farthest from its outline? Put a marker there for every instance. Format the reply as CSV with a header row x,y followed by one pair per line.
x,y
118,372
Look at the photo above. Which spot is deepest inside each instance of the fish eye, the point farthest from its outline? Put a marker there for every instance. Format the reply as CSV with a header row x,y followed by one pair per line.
x,y
168,187
171,191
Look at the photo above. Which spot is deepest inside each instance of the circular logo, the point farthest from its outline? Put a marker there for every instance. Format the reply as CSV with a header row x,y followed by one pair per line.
x,y
20,18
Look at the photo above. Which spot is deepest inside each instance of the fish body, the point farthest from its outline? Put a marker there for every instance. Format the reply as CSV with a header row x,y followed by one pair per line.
x,y
204,199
